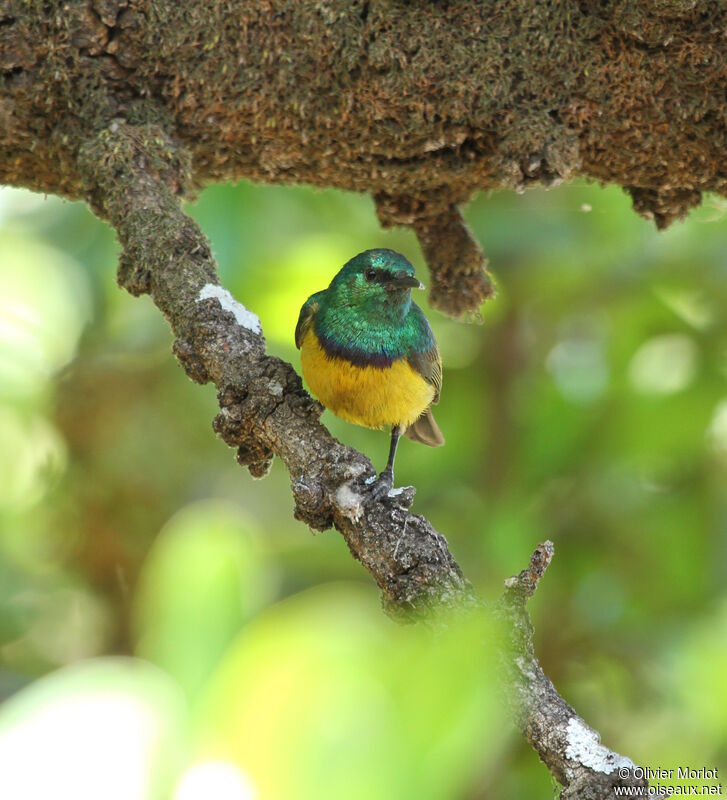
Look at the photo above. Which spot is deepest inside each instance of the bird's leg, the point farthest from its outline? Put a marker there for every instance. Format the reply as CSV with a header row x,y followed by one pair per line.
x,y
386,480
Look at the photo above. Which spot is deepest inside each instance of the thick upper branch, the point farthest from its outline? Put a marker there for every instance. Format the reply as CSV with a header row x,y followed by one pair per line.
x,y
420,104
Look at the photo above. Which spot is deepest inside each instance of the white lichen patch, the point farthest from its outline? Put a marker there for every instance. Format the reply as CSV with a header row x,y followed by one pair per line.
x,y
526,667
243,316
275,388
583,746
355,470
350,502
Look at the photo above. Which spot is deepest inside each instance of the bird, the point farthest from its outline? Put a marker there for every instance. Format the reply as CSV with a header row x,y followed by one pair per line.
x,y
369,355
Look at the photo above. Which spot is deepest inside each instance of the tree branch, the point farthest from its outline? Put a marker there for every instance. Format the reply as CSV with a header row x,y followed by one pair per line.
x,y
421,104
571,749
133,176
457,266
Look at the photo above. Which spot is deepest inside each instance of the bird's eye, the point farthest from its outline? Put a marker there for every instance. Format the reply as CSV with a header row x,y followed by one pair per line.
x,y
370,275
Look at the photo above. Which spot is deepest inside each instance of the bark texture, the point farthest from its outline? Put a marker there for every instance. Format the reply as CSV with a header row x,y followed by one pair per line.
x,y
420,104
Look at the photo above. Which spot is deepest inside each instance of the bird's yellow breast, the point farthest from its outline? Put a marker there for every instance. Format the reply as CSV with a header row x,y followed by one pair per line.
x,y
374,397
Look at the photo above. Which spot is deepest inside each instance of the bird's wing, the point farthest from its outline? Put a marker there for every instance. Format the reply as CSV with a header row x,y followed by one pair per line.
x,y
307,313
429,366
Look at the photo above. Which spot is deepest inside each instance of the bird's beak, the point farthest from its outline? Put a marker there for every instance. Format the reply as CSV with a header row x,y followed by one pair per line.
x,y
404,280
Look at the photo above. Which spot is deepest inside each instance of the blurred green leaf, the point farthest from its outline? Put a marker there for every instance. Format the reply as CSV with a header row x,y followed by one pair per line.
x,y
112,728
322,688
43,307
203,578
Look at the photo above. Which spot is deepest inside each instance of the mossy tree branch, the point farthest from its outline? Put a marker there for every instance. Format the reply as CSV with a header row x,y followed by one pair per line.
x,y
132,177
420,104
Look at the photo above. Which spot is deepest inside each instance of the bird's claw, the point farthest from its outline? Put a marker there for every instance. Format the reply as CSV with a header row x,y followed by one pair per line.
x,y
383,485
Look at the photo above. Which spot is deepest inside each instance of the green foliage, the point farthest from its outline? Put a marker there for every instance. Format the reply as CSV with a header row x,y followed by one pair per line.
x,y
589,407
352,705
202,579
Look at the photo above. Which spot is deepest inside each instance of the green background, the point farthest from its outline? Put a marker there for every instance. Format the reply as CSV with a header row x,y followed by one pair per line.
x,y
168,630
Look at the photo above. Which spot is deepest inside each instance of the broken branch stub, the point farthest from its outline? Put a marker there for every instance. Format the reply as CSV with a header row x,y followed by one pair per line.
x,y
460,282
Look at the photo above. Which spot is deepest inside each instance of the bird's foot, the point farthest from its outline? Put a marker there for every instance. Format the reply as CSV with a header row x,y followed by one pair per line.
x,y
383,485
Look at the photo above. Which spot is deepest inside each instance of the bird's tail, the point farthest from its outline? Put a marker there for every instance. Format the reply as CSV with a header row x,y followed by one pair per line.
x,y
425,430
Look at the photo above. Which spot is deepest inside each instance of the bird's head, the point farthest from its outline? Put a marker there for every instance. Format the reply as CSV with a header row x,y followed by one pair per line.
x,y
375,279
